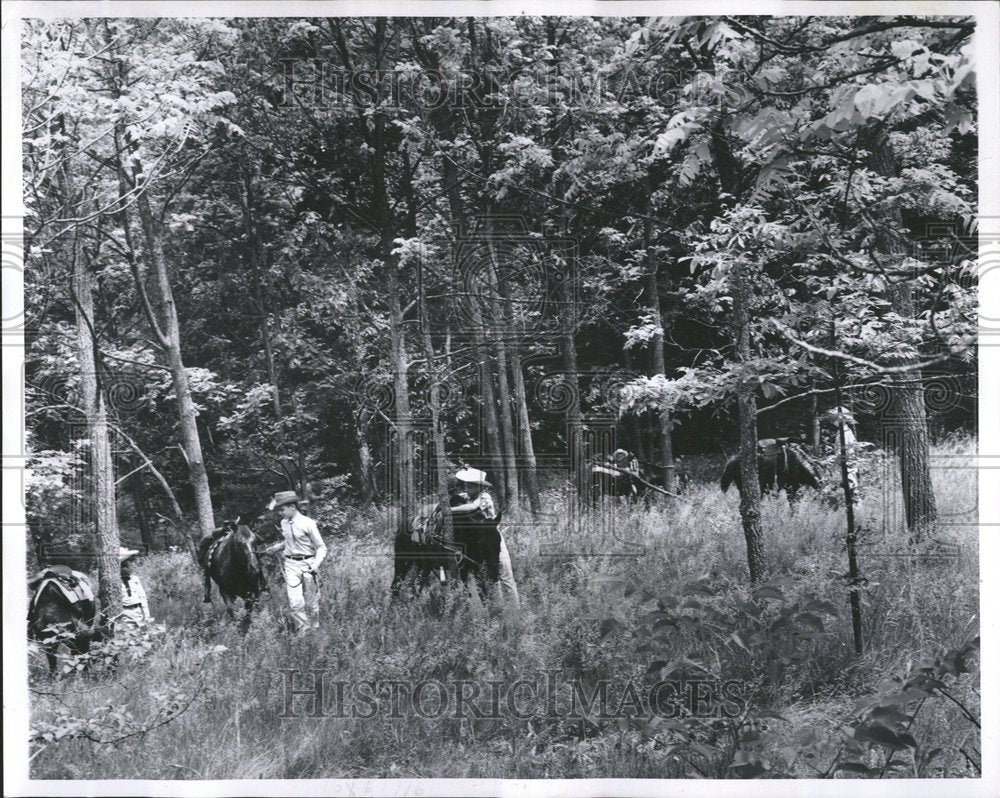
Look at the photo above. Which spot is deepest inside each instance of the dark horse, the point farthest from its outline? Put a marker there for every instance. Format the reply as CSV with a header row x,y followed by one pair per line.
x,y
782,464
63,611
229,559
421,552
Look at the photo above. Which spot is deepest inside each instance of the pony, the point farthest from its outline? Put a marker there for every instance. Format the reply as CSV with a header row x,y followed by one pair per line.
x,y
228,558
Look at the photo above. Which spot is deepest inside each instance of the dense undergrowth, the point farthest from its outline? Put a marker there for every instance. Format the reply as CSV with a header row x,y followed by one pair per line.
x,y
639,651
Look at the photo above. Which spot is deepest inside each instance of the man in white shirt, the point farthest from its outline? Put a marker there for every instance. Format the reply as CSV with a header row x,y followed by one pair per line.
x,y
304,552
135,605
472,483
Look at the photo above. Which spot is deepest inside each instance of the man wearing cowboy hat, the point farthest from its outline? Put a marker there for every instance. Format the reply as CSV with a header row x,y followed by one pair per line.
x,y
304,551
625,461
135,606
471,484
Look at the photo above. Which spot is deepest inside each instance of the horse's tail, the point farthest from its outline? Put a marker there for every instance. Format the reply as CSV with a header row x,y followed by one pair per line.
x,y
730,474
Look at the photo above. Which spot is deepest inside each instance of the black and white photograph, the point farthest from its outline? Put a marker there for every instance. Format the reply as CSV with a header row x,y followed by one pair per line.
x,y
539,399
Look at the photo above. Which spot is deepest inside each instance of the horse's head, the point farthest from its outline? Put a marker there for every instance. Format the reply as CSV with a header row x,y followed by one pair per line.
x,y
244,535
243,541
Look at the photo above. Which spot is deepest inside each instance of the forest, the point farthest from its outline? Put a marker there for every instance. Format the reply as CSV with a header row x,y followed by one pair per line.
x,y
349,256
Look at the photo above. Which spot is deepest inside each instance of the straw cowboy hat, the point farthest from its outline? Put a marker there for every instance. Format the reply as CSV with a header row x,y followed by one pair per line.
x,y
126,554
473,475
283,497
620,455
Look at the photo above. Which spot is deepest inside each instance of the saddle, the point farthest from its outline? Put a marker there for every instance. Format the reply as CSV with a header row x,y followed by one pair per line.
x,y
75,586
208,545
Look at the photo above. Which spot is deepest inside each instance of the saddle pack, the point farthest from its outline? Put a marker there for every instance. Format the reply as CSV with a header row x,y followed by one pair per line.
x,y
75,586
427,523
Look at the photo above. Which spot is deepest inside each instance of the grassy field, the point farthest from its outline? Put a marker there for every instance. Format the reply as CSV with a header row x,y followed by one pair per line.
x,y
627,596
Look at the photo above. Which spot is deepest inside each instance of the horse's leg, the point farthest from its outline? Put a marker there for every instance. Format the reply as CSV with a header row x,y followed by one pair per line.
x,y
247,614
208,587
50,655
482,584
400,569
229,600
792,492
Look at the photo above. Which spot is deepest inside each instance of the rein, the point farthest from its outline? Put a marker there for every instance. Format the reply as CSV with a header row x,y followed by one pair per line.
x,y
457,553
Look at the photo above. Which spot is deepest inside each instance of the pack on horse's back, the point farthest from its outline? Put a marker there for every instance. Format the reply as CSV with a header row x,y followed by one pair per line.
x,y
62,610
73,584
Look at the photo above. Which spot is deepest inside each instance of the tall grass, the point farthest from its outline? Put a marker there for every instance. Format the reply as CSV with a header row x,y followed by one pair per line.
x,y
572,574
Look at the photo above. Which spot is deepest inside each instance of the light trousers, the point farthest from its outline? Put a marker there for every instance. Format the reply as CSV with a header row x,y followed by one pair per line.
x,y
303,594
507,583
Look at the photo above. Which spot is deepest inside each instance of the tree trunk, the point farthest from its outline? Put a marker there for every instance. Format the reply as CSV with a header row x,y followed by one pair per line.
x,y
105,530
166,329
506,418
137,488
106,536
364,458
255,249
728,169
567,340
574,429
488,401
814,425
906,421
632,421
405,473
506,424
187,413
747,403
851,539
440,450
659,361
434,373
529,467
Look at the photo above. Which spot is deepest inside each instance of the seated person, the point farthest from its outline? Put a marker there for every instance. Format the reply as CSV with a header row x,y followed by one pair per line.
x,y
135,606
